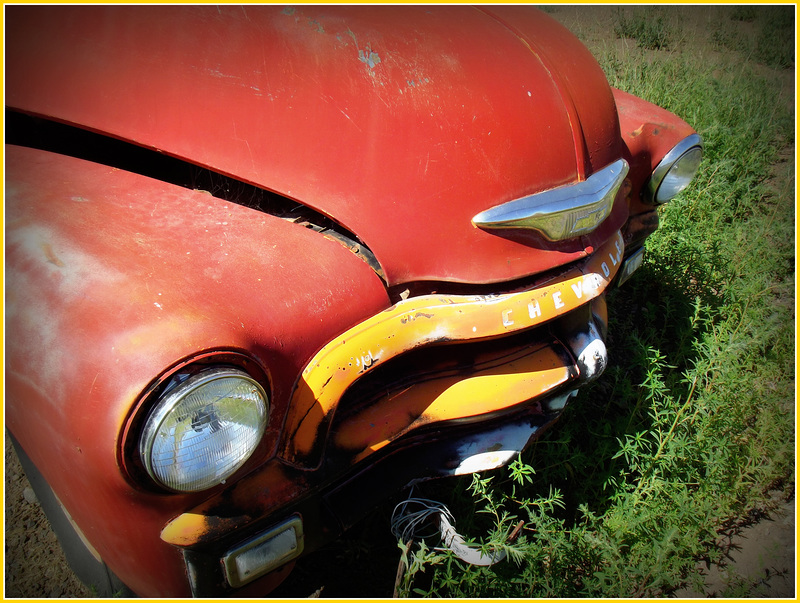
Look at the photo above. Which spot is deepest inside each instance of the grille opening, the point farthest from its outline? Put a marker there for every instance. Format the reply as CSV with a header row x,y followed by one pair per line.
x,y
390,403
443,359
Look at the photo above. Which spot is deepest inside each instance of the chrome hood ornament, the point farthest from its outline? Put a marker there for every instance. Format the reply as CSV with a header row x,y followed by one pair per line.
x,y
561,213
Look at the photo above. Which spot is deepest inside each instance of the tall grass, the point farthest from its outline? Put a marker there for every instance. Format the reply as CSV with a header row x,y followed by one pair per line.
x,y
773,40
693,423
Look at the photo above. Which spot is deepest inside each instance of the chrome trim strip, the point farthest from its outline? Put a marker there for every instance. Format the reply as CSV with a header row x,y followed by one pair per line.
x,y
561,213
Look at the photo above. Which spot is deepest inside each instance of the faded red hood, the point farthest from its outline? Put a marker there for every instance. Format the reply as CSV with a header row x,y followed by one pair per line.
x,y
401,123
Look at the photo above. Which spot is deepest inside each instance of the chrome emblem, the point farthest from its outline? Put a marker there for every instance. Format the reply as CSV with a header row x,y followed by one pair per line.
x,y
561,213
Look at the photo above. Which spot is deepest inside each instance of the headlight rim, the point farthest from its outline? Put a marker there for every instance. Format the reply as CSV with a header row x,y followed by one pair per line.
x,y
128,460
170,397
675,154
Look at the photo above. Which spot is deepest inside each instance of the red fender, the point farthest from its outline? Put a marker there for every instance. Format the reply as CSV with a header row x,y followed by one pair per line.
x,y
113,277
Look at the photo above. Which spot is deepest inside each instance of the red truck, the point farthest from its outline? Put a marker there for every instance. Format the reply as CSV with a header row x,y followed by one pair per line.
x,y
266,266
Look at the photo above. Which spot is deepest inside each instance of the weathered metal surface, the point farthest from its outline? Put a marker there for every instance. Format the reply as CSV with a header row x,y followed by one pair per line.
x,y
344,500
401,123
424,321
242,504
111,278
273,488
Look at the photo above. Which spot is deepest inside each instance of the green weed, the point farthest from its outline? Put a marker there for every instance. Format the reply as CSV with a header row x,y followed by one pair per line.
x,y
775,42
745,13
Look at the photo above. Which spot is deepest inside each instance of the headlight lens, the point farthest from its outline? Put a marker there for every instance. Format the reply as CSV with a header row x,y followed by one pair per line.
x,y
675,171
204,429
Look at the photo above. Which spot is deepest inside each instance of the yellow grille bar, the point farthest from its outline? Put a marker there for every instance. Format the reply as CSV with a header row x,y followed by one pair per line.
x,y
423,321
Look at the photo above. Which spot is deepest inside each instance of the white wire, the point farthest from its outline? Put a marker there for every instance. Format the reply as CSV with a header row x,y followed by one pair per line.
x,y
413,515
418,518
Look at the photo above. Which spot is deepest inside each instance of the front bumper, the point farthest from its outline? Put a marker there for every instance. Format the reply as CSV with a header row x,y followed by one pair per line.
x,y
321,516
360,427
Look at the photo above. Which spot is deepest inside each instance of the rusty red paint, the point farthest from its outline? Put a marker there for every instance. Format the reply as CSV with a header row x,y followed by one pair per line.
x,y
146,275
458,127
649,132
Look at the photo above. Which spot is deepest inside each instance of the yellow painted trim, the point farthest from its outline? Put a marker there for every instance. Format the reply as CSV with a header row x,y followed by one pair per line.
x,y
426,320
453,396
185,529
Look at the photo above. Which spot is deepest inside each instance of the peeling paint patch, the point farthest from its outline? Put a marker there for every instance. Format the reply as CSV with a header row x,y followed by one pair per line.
x,y
314,24
77,270
369,57
413,83
412,317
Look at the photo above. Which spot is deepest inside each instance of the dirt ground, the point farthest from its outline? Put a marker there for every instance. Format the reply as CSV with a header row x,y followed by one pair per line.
x,y
761,559
34,563
760,562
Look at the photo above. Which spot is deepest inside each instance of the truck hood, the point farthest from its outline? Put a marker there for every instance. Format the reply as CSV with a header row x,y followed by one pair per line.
x,y
399,123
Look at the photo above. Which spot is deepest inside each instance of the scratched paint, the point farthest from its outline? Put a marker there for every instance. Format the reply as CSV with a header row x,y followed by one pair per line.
x,y
272,64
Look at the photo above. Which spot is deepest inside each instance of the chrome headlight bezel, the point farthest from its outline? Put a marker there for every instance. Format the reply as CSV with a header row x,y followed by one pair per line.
x,y
178,390
690,149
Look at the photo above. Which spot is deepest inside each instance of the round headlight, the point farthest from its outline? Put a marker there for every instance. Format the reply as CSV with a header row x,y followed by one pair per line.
x,y
675,171
203,429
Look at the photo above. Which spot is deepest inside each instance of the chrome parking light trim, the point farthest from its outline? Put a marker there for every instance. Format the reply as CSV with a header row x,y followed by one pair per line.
x,y
629,266
264,553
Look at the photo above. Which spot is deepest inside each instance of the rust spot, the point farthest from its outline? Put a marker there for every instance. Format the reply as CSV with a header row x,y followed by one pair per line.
x,y
316,25
52,258
413,317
